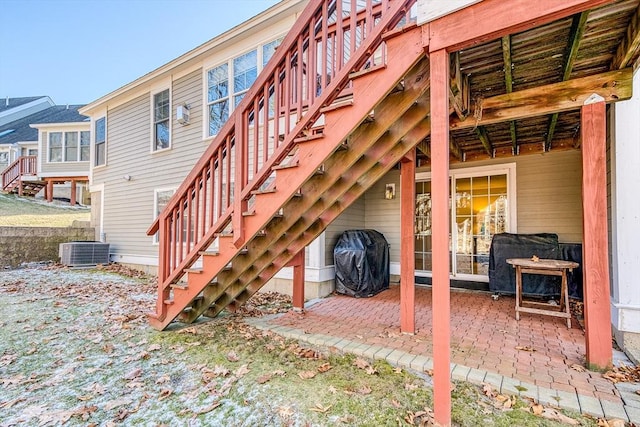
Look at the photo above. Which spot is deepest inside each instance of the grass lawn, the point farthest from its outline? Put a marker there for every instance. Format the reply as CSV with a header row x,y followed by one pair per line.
x,y
28,212
75,349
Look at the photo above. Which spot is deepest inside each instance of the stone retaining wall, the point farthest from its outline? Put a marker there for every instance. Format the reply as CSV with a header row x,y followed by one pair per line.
x,y
32,244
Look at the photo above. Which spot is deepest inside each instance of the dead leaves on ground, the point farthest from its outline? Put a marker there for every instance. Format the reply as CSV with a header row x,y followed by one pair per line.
x,y
623,374
361,363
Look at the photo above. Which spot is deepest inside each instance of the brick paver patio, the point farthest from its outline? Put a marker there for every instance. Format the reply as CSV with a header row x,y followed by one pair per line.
x,y
487,345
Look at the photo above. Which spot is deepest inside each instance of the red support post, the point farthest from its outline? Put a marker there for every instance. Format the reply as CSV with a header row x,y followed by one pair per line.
x,y
407,249
595,268
439,74
49,190
73,192
298,280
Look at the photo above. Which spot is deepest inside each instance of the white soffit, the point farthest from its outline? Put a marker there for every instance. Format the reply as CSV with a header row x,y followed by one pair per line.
x,y
429,10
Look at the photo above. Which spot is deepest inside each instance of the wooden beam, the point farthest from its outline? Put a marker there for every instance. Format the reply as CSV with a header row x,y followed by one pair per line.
x,y
575,35
508,82
481,132
629,47
459,90
613,86
439,74
407,249
298,280
595,261
490,19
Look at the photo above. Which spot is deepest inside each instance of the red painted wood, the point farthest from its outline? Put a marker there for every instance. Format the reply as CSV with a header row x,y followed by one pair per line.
x,y
595,246
439,70
49,190
490,19
298,280
407,249
73,193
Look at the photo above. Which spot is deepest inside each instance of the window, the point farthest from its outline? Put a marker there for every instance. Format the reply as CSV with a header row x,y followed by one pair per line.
x,y
4,157
229,82
483,204
55,147
71,146
218,98
100,141
85,137
161,200
161,116
68,146
32,152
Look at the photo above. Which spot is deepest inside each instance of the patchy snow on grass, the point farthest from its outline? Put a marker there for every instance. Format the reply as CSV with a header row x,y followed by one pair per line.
x,y
76,349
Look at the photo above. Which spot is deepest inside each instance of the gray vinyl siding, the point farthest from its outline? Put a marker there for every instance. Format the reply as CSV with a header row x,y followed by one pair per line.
x,y
550,194
548,199
384,215
129,205
60,169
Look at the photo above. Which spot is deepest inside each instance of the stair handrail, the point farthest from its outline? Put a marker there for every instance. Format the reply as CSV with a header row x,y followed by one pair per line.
x,y
23,165
203,205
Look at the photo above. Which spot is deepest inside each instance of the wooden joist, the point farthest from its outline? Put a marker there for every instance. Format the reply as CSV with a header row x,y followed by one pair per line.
x,y
578,25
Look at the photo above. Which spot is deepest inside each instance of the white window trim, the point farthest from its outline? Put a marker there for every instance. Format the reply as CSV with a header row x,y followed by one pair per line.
x,y
93,149
505,168
64,147
152,95
229,61
155,237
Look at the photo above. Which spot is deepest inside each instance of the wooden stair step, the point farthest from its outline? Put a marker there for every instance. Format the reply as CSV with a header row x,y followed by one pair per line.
x,y
285,166
181,286
337,105
209,253
265,191
193,270
312,137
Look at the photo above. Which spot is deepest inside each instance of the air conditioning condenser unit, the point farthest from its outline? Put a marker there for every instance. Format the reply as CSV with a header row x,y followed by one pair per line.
x,y
81,254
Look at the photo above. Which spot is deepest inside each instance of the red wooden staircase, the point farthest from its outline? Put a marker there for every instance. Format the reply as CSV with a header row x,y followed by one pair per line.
x,y
21,177
342,101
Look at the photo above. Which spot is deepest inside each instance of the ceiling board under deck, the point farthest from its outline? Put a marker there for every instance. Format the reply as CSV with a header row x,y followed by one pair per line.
x,y
538,59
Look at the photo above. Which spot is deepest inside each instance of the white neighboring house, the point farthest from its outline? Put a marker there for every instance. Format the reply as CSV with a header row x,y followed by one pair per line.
x,y
45,150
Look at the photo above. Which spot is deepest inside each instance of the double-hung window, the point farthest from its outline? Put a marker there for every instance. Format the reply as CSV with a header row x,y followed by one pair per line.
x,y
55,146
228,83
69,146
161,116
100,141
161,200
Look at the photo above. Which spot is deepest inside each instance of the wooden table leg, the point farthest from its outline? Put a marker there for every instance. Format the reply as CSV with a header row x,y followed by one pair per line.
x,y
564,303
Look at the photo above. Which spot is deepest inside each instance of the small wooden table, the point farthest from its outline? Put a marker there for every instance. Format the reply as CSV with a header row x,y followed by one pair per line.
x,y
550,267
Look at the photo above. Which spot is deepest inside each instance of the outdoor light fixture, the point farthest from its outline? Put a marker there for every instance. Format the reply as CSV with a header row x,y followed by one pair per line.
x,y
127,177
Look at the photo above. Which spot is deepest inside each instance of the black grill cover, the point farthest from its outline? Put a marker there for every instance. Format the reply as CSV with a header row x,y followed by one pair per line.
x,y
502,276
361,258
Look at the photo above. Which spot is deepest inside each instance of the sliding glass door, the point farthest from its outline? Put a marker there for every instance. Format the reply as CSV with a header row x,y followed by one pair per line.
x,y
480,206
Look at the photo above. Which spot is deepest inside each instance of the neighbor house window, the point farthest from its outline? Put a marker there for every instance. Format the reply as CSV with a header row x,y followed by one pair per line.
x,y
161,116
55,146
161,200
68,146
85,140
4,157
228,83
101,141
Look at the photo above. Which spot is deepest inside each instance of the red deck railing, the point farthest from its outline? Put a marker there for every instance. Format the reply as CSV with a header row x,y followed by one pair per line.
x,y
310,69
25,165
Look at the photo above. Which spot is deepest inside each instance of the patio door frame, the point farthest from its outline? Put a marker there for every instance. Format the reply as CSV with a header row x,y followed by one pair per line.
x,y
508,169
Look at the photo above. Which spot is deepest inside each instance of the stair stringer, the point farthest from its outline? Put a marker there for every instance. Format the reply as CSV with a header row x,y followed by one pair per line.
x,y
373,149
404,50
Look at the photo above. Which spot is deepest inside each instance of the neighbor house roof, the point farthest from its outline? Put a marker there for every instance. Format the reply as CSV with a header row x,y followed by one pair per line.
x,y
21,129
9,103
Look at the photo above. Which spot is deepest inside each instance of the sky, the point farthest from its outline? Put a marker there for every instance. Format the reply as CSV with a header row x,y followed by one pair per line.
x,y
76,51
